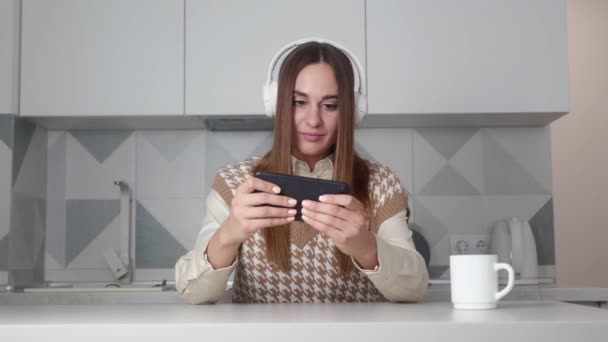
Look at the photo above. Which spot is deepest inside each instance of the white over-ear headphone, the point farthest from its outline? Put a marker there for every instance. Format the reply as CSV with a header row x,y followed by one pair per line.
x,y
271,86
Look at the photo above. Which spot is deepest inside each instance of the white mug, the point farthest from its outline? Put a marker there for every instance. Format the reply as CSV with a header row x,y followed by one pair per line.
x,y
474,281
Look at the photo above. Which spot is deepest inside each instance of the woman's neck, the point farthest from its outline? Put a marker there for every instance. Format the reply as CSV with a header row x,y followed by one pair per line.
x,y
311,161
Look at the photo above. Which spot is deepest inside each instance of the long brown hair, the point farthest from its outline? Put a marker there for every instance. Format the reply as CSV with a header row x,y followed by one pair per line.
x,y
348,166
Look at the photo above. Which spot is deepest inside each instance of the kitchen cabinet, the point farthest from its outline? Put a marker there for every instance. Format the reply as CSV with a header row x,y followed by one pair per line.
x,y
229,45
468,61
429,63
9,55
102,58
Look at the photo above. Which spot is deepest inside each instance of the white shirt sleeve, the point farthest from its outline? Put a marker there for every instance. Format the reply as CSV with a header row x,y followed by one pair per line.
x,y
196,280
401,275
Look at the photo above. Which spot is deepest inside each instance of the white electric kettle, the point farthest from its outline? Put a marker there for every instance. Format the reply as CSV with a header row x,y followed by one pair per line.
x,y
513,242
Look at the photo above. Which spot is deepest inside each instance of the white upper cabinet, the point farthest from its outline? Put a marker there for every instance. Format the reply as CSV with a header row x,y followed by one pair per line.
x,y
467,56
9,55
229,45
429,62
102,57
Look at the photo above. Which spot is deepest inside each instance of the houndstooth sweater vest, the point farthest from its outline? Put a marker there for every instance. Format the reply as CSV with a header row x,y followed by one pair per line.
x,y
315,274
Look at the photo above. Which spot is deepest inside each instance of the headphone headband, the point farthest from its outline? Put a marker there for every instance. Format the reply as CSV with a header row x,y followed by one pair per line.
x,y
270,88
354,60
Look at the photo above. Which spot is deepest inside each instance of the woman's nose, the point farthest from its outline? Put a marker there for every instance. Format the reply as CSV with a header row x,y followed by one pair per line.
x,y
313,116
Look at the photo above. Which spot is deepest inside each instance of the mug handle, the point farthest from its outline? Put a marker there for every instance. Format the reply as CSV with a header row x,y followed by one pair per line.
x,y
510,284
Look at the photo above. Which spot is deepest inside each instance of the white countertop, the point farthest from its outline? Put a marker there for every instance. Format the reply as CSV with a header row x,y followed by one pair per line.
x,y
512,321
532,292
435,293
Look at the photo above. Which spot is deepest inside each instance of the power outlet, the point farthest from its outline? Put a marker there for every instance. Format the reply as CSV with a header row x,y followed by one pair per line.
x,y
469,244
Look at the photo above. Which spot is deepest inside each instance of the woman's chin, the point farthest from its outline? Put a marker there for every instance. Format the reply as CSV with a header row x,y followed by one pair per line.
x,y
313,151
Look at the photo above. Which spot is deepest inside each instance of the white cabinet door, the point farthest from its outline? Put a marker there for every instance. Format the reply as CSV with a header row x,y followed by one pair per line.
x,y
467,56
9,55
102,57
229,44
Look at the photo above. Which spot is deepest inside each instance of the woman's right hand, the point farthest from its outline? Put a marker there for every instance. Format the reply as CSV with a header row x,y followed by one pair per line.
x,y
256,205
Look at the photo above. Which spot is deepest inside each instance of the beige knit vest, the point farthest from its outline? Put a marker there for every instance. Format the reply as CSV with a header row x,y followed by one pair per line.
x,y
315,274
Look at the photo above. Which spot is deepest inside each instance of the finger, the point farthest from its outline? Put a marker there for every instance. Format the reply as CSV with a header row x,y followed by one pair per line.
x,y
328,220
269,222
329,209
333,233
268,212
346,201
255,184
263,198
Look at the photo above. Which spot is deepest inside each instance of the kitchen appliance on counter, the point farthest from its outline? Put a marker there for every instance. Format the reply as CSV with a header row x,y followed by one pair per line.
x,y
422,247
420,243
513,243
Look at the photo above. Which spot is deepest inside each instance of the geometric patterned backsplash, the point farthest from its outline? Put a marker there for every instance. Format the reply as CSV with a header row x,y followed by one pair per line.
x,y
460,180
465,179
23,148
6,165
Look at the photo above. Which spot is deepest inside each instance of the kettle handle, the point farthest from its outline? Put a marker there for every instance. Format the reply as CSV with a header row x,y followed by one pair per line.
x,y
510,284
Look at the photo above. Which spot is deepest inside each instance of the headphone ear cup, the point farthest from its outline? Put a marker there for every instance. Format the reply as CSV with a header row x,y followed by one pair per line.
x,y
270,98
360,106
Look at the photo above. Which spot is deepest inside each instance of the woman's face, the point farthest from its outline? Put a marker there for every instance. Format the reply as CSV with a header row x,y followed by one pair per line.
x,y
316,113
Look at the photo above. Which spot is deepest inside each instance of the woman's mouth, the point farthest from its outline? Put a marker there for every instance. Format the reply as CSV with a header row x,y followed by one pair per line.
x,y
312,137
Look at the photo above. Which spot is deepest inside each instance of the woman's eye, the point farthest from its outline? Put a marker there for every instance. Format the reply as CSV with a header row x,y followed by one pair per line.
x,y
330,106
299,102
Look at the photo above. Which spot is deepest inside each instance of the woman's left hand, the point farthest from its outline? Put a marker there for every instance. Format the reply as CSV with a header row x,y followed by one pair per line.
x,y
342,218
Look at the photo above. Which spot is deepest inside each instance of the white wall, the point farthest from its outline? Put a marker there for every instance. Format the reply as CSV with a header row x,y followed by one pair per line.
x,y
580,159
9,55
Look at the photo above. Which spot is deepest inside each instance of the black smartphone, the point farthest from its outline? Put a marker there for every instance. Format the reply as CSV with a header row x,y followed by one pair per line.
x,y
303,188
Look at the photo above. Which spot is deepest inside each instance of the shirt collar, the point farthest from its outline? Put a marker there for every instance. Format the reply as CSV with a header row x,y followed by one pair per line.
x,y
325,165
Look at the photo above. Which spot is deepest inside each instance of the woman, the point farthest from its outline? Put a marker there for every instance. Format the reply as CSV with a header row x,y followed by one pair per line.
x,y
350,248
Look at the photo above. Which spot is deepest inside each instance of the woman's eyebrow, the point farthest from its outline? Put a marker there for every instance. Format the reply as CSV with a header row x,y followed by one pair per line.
x,y
328,97
303,94
299,93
